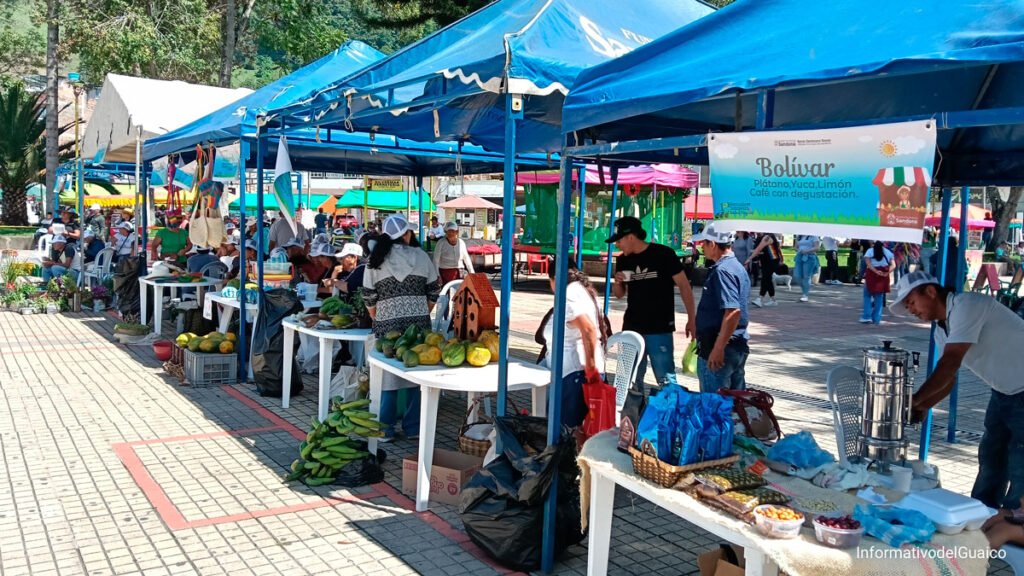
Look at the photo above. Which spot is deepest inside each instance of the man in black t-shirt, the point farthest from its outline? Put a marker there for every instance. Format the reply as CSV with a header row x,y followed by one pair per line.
x,y
648,275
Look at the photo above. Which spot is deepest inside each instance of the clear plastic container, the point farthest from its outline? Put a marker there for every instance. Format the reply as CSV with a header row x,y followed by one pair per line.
x,y
777,528
836,537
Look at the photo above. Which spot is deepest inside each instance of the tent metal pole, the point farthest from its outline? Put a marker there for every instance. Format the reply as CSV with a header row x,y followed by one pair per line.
x,y
580,208
562,237
933,352
142,186
419,196
261,151
961,262
513,112
611,247
243,344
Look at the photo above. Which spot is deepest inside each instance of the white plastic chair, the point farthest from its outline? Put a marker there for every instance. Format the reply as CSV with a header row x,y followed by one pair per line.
x,y
100,266
43,246
443,310
846,392
216,270
631,350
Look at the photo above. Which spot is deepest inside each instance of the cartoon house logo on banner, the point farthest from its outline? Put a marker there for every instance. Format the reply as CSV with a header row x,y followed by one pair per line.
x,y
902,195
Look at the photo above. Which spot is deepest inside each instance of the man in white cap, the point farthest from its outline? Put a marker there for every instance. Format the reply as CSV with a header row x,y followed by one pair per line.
x,y
250,232
59,261
976,331
451,256
348,276
123,241
722,335
96,221
93,245
203,256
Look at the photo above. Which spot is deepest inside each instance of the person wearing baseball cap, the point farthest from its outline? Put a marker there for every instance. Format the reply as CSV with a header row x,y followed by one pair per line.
x,y
451,256
95,220
647,275
976,331
123,241
400,288
92,245
58,263
722,337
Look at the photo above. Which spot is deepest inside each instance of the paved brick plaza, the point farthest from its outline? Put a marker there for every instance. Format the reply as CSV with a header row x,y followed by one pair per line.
x,y
111,467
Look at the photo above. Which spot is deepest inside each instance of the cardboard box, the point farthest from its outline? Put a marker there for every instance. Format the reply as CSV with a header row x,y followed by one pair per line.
x,y
714,563
449,472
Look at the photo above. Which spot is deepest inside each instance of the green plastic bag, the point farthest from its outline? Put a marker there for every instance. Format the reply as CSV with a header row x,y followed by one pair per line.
x,y
690,358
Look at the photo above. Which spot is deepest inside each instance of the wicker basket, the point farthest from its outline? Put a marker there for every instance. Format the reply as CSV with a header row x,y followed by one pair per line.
x,y
667,475
472,446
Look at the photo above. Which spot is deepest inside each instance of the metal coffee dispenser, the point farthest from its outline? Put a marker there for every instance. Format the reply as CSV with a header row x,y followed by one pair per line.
x,y
888,388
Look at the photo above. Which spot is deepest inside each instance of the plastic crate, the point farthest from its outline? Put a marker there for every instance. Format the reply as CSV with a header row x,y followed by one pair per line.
x,y
210,369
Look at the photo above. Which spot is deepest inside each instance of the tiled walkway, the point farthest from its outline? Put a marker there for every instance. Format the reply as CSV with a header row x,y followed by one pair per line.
x,y
110,467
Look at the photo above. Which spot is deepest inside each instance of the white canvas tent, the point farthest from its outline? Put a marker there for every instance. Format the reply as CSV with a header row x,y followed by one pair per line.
x,y
127,104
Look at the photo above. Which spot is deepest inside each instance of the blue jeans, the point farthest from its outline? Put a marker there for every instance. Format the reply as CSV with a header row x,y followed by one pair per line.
x,y
1000,481
657,347
411,418
731,375
872,306
804,267
55,271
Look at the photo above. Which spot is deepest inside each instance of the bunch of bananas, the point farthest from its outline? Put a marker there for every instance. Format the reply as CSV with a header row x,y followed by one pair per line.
x,y
329,446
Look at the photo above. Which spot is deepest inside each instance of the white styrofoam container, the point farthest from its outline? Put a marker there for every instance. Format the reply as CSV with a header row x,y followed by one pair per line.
x,y
951,512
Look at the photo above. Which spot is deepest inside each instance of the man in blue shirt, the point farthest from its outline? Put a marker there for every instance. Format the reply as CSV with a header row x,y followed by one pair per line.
x,y
722,335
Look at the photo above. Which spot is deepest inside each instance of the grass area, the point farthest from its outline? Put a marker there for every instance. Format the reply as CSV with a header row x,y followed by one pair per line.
x,y
17,230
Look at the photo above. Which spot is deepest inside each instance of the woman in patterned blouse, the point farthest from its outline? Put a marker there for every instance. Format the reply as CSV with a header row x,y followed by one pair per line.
x,y
400,288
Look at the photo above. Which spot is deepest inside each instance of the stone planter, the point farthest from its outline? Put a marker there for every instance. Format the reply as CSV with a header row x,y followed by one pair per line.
x,y
27,311
99,306
52,309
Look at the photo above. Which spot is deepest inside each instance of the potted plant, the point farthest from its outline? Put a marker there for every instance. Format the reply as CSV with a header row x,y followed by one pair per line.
x,y
100,298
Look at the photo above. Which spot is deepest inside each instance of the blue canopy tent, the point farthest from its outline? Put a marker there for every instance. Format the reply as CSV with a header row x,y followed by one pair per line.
x,y
496,78
787,64
321,150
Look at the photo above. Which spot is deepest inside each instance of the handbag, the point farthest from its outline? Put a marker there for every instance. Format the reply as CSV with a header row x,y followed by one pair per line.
x,y
600,399
753,410
877,283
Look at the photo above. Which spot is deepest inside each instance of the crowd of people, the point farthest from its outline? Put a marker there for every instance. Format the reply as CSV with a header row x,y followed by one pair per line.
x,y
76,242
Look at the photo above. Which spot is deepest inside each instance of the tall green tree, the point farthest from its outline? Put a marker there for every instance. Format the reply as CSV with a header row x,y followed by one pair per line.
x,y
22,149
400,14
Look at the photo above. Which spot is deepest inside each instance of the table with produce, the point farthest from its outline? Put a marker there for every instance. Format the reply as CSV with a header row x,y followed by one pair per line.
x,y
790,504
173,282
434,363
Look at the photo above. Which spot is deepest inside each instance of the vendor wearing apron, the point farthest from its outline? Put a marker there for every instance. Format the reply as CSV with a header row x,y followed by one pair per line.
x,y
978,332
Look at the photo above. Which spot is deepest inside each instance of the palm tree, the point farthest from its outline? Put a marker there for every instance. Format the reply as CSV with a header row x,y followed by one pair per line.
x,y
22,149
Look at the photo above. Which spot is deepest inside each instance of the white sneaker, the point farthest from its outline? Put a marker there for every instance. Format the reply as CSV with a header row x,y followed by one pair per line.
x,y
837,283
803,299
771,302
756,302
865,320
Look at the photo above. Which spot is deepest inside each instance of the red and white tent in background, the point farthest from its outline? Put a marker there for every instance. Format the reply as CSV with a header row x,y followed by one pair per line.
x,y
975,218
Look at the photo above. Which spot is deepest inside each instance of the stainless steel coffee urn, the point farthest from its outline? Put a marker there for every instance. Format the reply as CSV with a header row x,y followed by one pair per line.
x,y
888,388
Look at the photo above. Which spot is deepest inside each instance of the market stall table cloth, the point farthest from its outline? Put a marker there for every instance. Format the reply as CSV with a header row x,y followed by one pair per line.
x,y
602,466
327,339
432,380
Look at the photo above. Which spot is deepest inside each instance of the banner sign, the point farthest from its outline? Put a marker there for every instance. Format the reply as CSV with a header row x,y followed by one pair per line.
x,y
868,182
385,184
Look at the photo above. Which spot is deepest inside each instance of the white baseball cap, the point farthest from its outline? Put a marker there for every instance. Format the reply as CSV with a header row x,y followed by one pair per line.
x,y
907,284
711,235
294,243
350,249
125,225
58,239
451,226
89,233
396,226
95,207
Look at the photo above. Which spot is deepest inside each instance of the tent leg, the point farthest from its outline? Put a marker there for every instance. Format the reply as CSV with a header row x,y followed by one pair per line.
x,y
579,217
419,195
261,151
933,352
564,200
143,186
243,344
507,239
954,396
611,247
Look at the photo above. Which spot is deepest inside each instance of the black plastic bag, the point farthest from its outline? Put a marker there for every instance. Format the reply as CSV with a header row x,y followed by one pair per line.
x,y
632,410
362,472
502,505
268,343
126,287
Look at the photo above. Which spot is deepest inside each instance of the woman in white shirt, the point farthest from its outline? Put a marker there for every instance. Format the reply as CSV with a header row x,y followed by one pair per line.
x,y
123,241
878,261
450,255
586,335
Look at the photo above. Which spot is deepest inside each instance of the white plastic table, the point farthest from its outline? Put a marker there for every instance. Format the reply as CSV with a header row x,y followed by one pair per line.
x,y
228,306
158,289
432,380
327,339
603,479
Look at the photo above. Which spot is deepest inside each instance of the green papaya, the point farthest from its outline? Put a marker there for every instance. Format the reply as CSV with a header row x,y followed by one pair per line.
x,y
410,359
393,335
388,349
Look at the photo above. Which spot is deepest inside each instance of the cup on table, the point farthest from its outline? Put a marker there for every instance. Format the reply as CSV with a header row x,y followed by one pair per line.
x,y
901,478
627,275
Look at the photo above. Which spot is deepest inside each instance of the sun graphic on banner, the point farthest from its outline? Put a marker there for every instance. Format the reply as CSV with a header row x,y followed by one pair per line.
x,y
888,148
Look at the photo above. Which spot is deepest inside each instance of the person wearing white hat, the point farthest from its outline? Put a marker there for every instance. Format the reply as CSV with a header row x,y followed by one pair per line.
x,y
347,277
451,256
722,337
93,245
400,288
123,241
976,331
95,220
250,232
59,261
203,256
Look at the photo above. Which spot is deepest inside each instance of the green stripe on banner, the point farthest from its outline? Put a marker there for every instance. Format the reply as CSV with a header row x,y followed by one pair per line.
x,y
899,178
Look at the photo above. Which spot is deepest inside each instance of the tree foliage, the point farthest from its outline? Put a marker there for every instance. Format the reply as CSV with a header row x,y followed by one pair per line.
x,y
22,149
404,14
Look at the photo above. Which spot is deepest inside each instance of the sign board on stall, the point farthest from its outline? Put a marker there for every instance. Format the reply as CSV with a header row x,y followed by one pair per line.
x,y
385,184
866,182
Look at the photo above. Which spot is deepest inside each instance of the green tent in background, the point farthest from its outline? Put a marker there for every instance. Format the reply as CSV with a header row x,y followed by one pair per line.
x,y
392,201
270,202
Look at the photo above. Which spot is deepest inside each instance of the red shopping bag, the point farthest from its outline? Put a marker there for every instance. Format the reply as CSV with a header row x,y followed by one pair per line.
x,y
600,399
